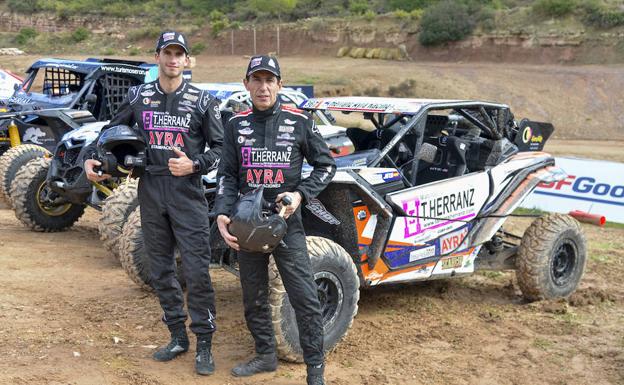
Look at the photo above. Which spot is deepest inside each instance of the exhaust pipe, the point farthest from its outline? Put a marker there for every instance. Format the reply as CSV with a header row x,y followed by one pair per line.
x,y
594,219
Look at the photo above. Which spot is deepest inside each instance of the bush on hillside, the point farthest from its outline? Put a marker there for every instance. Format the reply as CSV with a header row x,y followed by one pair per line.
x,y
444,22
600,16
80,34
197,48
554,8
24,6
24,35
358,7
151,32
409,5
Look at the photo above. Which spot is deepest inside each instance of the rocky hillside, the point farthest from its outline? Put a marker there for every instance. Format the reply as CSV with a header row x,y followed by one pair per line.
x,y
517,31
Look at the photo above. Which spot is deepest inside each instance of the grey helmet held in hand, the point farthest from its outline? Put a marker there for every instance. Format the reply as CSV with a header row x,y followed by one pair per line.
x,y
256,224
121,151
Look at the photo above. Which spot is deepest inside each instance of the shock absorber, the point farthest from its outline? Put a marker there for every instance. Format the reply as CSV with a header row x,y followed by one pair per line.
x,y
14,134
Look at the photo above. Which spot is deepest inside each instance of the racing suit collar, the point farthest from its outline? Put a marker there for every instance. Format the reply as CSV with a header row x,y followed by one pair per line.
x,y
180,88
262,115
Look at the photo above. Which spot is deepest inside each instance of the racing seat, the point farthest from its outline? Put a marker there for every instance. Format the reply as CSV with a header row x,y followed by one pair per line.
x,y
450,160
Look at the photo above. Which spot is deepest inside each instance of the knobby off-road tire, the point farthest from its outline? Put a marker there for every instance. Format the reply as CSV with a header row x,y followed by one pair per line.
x,y
10,163
338,289
133,256
28,191
115,211
551,258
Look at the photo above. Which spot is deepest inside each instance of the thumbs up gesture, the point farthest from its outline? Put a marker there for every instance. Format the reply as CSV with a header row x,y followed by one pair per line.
x,y
181,165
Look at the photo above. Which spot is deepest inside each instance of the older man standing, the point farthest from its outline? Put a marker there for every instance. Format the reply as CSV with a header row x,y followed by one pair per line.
x,y
266,146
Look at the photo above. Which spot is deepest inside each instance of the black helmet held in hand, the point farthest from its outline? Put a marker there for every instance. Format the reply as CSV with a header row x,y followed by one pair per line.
x,y
255,224
121,151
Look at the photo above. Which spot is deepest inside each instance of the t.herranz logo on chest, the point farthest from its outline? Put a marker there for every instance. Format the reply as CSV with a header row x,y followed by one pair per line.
x,y
261,157
162,121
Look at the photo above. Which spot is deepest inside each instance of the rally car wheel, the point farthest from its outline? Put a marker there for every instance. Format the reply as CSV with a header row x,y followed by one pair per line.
x,y
10,163
133,256
552,257
115,211
36,205
338,291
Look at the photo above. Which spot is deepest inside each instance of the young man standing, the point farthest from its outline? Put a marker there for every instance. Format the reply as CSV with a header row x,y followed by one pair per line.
x,y
177,120
266,146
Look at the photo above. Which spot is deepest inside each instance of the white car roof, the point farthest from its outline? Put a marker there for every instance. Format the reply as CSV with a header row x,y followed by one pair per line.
x,y
225,90
379,104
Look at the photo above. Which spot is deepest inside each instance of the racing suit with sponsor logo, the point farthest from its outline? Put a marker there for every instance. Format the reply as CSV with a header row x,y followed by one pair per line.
x,y
268,148
174,210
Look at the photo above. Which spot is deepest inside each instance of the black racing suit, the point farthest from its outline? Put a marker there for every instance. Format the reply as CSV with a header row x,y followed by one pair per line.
x,y
268,148
174,210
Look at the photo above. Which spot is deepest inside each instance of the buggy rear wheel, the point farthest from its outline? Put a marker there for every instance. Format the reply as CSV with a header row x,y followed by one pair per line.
x,y
36,205
133,256
552,257
11,162
338,291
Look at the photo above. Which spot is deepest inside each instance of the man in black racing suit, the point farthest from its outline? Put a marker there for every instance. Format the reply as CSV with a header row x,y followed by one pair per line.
x,y
266,146
177,120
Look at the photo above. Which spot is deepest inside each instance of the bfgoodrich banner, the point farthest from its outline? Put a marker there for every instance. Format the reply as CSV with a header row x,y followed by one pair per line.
x,y
593,186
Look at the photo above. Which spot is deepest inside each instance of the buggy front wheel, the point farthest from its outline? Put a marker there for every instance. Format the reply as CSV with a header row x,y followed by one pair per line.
x,y
551,258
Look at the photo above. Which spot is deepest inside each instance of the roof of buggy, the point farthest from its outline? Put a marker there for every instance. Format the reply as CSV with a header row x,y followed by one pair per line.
x,y
385,105
84,67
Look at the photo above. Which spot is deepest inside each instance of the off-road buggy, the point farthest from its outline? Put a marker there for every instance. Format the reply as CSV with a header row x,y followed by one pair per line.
x,y
56,97
423,196
51,193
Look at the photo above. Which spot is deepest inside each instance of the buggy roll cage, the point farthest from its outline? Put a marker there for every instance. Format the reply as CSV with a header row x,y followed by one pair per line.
x,y
112,76
417,119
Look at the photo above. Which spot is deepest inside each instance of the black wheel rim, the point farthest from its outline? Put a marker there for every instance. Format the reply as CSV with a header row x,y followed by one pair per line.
x,y
563,263
330,296
46,203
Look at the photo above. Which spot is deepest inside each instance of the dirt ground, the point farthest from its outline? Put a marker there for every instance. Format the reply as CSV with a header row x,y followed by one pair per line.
x,y
70,315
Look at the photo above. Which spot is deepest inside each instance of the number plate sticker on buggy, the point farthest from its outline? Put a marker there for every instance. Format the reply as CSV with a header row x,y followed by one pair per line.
x,y
452,262
461,263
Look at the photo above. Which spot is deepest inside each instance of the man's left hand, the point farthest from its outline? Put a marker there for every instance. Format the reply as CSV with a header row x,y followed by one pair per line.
x,y
291,208
181,165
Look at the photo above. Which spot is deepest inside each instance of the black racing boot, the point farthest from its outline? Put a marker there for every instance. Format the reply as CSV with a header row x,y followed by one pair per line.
x,y
204,364
260,363
315,375
179,344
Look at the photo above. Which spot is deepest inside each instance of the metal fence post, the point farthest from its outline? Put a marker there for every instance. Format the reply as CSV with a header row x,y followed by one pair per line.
x,y
278,39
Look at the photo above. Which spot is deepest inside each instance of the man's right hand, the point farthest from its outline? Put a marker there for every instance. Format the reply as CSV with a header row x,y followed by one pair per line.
x,y
93,176
222,222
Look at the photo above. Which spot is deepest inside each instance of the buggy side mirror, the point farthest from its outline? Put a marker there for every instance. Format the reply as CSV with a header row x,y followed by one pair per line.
x,y
91,98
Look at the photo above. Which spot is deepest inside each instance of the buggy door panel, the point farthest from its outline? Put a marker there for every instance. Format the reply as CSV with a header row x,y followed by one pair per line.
x,y
434,219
